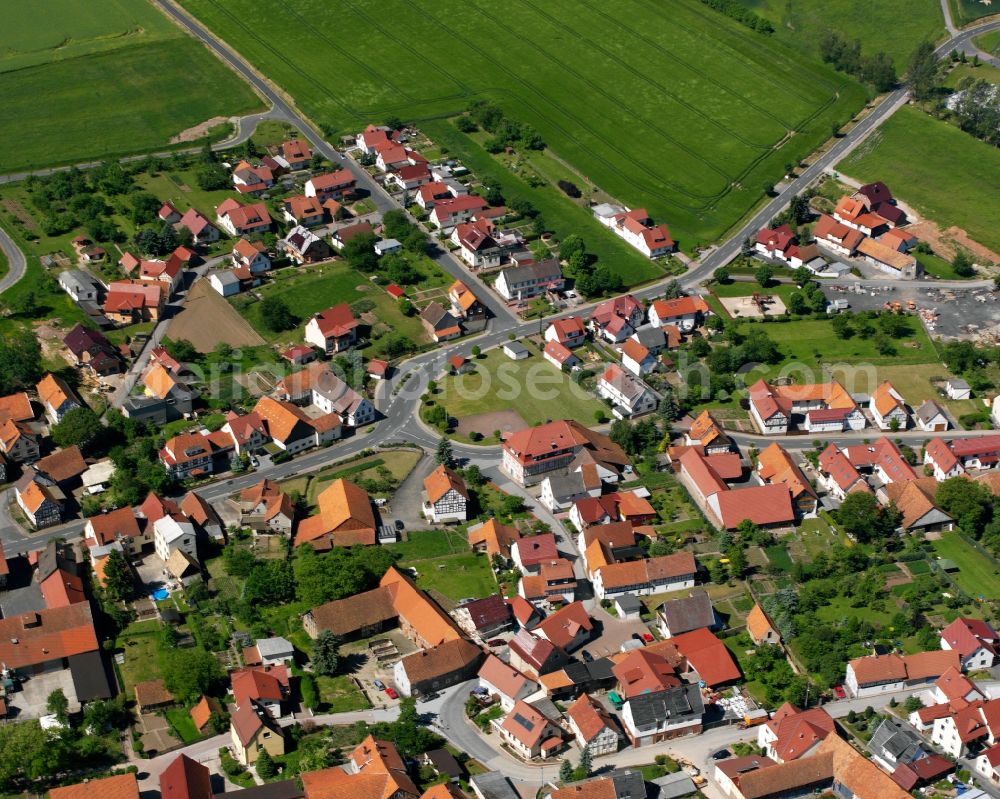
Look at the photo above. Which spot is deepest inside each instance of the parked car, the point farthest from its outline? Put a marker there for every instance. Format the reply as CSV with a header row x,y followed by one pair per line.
x,y
391,693
380,685
587,657
399,525
496,642
648,638
720,754
839,692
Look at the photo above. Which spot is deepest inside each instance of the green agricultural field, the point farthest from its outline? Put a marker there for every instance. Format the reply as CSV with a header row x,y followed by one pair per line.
x,y
947,175
671,106
800,23
533,387
103,78
977,575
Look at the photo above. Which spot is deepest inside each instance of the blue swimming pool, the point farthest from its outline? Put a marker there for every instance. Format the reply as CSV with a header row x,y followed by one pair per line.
x,y
160,593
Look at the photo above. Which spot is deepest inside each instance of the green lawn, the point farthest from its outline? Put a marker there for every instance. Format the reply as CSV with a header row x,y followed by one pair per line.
x,y
947,175
811,343
103,78
976,574
533,387
778,556
800,23
672,106
456,576
311,289
986,72
988,42
424,544
180,719
339,694
141,661
938,267
839,607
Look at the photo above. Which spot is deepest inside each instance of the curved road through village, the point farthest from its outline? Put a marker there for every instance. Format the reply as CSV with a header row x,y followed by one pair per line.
x,y
398,399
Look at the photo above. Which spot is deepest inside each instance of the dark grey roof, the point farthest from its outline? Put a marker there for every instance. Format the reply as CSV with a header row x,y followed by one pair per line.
x,y
689,613
600,669
628,603
436,316
567,485
651,337
928,411
91,676
674,704
894,743
539,270
493,785
673,786
515,346
285,789
629,784
444,762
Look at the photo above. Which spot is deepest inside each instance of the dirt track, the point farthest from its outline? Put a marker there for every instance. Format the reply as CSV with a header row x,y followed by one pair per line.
x,y
207,320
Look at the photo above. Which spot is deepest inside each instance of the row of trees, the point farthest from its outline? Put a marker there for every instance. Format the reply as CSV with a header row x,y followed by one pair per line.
x,y
844,55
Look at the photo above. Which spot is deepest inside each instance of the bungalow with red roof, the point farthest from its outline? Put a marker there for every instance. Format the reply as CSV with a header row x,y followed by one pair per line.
x,y
169,214
881,674
684,313
409,176
559,356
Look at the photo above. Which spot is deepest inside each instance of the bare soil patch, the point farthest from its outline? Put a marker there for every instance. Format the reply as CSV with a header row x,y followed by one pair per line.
x,y
208,320
486,423
745,307
946,242
22,215
197,131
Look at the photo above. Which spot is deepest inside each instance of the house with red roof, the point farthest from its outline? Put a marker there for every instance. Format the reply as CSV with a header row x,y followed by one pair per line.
x,y
333,330
988,764
684,313
559,447
251,256
975,641
593,726
249,179
568,628
409,176
880,674
837,236
296,153
243,220
202,231
617,319
792,733
432,193
775,242
330,185
637,228
560,356
505,682
261,687
535,656
962,455
568,331
529,733
447,213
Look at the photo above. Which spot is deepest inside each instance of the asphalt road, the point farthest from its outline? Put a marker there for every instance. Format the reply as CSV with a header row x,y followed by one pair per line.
x,y
15,261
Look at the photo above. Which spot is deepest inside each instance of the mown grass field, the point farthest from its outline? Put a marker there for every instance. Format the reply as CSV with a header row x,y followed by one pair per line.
x,y
988,42
976,575
668,105
947,175
108,77
800,23
533,387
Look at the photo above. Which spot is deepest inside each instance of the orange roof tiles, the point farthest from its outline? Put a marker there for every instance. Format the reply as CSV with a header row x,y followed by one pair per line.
x,y
441,481
119,786
345,512
16,407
